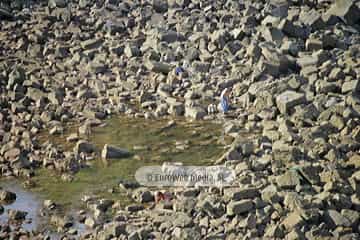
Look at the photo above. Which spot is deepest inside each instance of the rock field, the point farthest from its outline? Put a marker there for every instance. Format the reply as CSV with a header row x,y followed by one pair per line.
x,y
294,67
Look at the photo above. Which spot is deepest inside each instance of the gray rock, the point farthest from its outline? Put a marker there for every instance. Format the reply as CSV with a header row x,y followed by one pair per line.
x,y
91,44
196,113
288,100
113,230
293,220
132,50
16,76
7,196
274,231
84,146
311,173
247,149
347,10
334,219
351,86
313,19
292,30
239,207
143,195
288,180
134,208
272,35
242,193
56,97
114,27
171,37
57,3
114,152
158,67
35,94
313,44
201,67
211,208
352,216
160,6
187,233
182,220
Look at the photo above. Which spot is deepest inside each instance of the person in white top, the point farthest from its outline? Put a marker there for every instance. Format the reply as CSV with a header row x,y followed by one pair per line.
x,y
224,104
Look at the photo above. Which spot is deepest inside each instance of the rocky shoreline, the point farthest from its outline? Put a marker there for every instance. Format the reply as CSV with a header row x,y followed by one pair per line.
x,y
294,67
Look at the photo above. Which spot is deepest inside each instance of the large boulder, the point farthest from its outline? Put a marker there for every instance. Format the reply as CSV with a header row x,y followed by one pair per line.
x,y
347,10
289,99
114,152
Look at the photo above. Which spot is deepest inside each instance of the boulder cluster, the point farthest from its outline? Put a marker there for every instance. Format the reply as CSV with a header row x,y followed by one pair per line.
x,y
294,69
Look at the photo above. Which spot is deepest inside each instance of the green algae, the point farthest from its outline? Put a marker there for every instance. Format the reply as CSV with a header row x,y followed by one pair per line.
x,y
152,142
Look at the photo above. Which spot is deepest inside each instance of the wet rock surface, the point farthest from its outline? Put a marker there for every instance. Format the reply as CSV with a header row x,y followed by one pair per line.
x,y
294,68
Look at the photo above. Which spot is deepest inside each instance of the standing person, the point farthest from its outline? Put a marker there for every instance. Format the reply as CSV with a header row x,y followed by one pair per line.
x,y
224,104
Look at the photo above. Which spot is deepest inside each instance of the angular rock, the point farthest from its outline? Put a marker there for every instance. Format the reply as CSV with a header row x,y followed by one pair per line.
x,y
313,19
113,230
351,86
109,152
270,194
292,30
288,100
334,219
84,146
201,67
293,220
347,10
16,76
142,195
158,67
91,44
7,196
245,193
239,207
288,180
